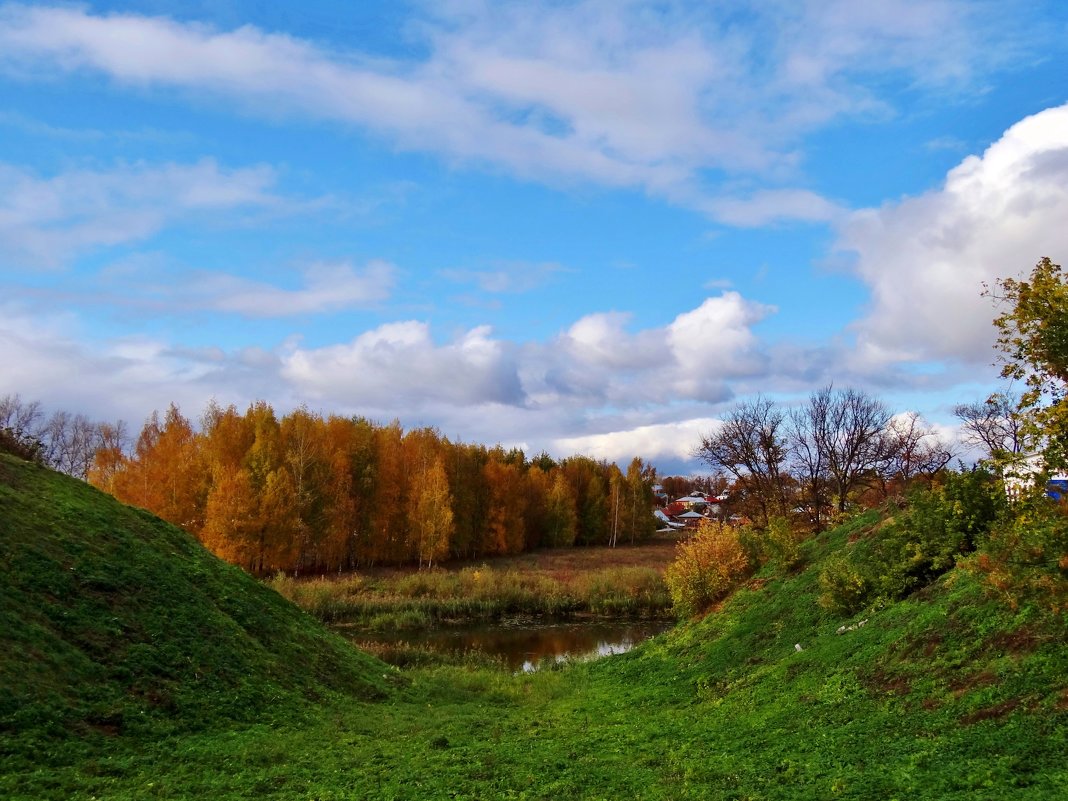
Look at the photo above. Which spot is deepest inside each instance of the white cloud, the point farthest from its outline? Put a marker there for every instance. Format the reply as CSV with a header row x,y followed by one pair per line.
x,y
61,363
513,278
327,287
594,367
673,442
774,205
715,342
45,221
397,366
925,258
618,94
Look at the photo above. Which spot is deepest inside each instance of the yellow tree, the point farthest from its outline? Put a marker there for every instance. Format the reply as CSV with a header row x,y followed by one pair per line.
x,y
109,458
305,455
388,540
231,528
166,474
229,523
561,517
433,516
505,532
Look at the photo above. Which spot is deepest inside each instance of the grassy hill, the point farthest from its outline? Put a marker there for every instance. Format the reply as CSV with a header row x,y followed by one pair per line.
x,y
111,618
114,622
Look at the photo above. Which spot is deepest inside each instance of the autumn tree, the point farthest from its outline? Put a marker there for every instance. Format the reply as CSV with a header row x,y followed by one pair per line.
x,y
588,481
537,484
305,457
109,456
505,531
433,517
1033,344
617,491
231,528
470,495
252,513
166,474
561,516
349,491
388,540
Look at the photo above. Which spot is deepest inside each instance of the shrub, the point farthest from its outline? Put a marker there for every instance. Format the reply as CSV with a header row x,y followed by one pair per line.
x,y
843,586
706,568
939,526
22,446
782,543
1025,559
920,544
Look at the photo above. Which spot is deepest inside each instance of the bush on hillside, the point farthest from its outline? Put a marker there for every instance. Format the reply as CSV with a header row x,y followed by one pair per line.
x,y
783,544
706,568
844,587
22,446
916,547
1024,560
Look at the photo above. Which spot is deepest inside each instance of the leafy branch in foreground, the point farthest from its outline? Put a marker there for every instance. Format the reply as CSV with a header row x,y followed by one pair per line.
x,y
1033,340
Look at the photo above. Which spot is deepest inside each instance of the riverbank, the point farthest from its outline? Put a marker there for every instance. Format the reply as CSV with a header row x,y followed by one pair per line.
x,y
621,583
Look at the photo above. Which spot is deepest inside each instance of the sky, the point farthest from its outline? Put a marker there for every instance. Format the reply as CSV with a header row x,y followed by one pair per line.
x,y
583,227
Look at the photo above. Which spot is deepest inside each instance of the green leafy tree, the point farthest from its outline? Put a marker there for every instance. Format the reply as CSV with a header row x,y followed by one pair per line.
x,y
1033,340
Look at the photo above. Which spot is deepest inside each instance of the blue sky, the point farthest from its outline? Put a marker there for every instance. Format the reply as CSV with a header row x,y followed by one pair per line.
x,y
580,227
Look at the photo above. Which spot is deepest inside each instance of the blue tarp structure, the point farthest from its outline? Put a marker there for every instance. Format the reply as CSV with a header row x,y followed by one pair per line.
x,y
1057,488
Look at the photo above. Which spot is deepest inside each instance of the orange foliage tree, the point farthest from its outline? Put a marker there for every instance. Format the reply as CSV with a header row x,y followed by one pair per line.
x,y
310,494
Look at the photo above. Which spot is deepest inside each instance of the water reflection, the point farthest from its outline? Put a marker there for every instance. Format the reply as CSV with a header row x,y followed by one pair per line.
x,y
526,645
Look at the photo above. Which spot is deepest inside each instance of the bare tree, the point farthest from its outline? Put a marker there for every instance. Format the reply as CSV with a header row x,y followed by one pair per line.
x,y
849,433
808,458
912,450
750,446
993,425
67,443
22,419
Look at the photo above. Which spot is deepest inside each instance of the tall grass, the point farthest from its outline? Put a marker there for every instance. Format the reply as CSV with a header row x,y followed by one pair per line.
x,y
418,600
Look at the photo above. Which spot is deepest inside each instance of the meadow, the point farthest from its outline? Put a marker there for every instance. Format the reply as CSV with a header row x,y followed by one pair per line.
x,y
622,582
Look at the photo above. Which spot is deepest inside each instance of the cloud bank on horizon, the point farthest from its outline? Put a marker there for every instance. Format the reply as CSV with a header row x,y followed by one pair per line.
x,y
583,227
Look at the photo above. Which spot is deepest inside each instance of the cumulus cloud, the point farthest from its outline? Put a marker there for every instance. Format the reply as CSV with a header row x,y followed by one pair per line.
x,y
46,221
126,377
926,258
660,442
596,364
715,342
398,365
618,94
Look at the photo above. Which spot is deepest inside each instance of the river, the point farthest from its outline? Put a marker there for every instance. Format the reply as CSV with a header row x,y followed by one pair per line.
x,y
525,645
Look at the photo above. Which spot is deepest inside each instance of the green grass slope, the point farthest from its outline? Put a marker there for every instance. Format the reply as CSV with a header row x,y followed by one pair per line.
x,y
943,695
114,622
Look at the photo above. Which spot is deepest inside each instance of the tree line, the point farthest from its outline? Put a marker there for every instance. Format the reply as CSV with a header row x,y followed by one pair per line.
x,y
312,493
818,457
63,441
